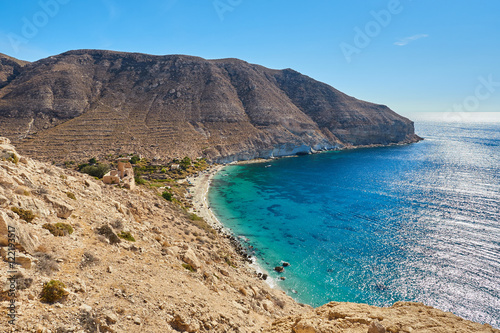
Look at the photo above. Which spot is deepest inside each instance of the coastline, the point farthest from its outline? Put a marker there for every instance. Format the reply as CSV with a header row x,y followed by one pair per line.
x,y
201,207
199,190
200,185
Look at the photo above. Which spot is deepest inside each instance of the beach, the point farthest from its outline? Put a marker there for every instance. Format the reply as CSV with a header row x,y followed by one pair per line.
x,y
199,190
201,207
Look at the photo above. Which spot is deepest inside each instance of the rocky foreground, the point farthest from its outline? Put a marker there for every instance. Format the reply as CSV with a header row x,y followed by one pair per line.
x,y
179,275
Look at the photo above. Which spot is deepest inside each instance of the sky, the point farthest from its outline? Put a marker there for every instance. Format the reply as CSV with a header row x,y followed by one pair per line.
x,y
412,55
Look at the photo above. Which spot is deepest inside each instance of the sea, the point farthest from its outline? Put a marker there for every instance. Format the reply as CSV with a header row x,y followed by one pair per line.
x,y
418,222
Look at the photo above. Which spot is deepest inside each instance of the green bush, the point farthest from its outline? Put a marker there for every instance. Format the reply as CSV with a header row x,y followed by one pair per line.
x,y
139,180
71,195
167,196
53,291
134,159
24,214
185,163
93,160
98,170
189,267
126,235
13,158
58,229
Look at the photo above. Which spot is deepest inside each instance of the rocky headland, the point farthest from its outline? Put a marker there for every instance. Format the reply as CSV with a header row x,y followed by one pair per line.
x,y
93,103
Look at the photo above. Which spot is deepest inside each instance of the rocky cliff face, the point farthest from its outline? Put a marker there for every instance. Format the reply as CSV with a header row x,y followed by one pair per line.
x,y
90,102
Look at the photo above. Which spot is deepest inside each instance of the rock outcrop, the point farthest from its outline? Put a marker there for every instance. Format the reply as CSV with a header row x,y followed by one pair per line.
x,y
402,317
88,102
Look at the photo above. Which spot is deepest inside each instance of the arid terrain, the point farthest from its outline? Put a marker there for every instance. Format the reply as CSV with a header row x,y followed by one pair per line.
x,y
134,262
88,103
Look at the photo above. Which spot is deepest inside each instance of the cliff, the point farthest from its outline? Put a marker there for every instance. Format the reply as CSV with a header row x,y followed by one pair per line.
x,y
166,273
89,102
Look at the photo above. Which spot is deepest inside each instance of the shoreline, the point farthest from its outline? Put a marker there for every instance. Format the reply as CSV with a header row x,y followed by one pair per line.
x,y
201,207
199,190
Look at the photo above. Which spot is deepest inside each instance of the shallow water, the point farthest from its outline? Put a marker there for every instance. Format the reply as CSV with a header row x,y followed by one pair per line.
x,y
414,223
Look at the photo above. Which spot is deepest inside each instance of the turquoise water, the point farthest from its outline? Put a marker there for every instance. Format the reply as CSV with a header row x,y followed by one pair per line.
x,y
407,223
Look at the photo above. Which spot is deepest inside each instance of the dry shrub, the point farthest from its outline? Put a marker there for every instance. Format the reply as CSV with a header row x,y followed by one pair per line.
x,y
88,259
58,229
24,214
46,263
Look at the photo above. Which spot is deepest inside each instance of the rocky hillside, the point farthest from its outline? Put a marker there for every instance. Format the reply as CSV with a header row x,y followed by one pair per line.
x,y
91,257
177,276
89,102
9,68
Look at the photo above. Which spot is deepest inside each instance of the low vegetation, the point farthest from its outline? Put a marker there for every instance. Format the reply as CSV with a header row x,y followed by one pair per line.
x,y
53,291
24,214
58,229
13,158
126,235
88,259
98,170
167,195
46,263
189,267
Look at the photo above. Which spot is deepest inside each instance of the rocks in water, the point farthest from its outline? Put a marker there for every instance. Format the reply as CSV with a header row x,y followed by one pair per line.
x,y
264,276
282,278
279,269
285,264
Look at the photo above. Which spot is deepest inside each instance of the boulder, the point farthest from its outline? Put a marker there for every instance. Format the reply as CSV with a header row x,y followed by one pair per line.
x,y
303,327
376,327
63,209
267,305
108,232
279,269
23,260
25,241
189,257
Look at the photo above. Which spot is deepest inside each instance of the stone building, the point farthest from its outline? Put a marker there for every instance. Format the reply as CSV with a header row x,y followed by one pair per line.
x,y
124,175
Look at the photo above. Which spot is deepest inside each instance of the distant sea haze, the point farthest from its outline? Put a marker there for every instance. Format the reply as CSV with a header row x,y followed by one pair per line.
x,y
419,222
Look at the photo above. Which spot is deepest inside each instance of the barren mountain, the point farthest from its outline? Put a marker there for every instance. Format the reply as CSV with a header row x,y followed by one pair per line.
x,y
9,68
91,102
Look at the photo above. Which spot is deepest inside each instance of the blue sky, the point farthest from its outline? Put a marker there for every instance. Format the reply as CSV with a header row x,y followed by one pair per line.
x,y
412,55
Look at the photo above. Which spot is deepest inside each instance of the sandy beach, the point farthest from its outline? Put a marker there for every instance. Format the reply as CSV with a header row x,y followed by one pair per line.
x,y
201,207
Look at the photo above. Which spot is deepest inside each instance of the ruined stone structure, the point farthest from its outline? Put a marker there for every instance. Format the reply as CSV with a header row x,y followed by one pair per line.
x,y
124,175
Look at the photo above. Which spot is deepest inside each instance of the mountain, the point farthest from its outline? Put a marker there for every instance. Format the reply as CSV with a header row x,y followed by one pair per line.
x,y
91,102
9,68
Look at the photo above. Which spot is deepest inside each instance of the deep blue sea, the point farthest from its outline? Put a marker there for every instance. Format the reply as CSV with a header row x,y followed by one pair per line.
x,y
419,222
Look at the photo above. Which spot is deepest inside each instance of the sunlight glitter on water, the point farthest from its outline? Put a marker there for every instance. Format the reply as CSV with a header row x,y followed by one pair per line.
x,y
417,222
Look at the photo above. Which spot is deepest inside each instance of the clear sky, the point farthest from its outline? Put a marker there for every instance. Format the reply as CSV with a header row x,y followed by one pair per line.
x,y
412,55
